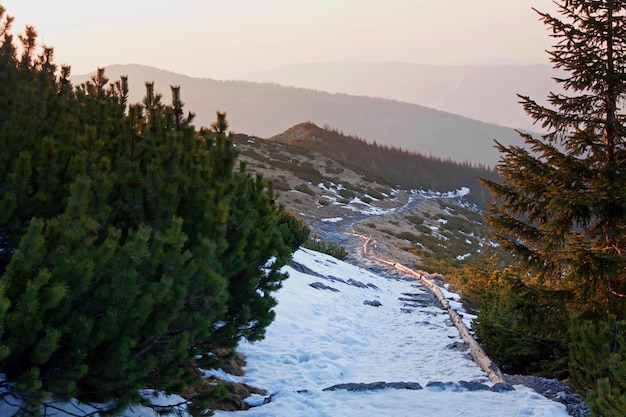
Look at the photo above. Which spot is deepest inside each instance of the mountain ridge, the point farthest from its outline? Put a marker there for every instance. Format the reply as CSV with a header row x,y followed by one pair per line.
x,y
486,93
264,109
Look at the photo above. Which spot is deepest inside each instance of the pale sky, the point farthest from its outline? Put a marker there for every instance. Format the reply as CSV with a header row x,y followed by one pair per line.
x,y
221,39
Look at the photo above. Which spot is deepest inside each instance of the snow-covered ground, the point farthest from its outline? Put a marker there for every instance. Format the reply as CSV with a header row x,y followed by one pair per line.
x,y
325,337
322,338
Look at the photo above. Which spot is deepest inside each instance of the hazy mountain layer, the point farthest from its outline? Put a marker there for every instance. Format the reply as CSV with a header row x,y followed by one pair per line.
x,y
267,109
486,93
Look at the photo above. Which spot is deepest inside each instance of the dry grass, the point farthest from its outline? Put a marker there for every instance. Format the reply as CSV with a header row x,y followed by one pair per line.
x,y
435,232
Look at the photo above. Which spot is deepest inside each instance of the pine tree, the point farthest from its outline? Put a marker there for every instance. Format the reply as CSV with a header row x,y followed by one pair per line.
x,y
131,248
561,208
507,325
598,364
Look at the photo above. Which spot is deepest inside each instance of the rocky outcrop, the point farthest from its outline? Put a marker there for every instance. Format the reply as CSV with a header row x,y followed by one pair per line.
x,y
373,386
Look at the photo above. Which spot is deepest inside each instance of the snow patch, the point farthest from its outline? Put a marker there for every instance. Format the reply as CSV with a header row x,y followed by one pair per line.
x,y
332,220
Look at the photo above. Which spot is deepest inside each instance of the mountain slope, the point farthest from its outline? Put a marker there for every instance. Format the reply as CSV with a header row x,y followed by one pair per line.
x,y
394,166
332,182
265,109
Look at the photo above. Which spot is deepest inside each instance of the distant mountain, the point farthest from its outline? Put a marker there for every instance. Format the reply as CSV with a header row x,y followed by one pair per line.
x,y
265,109
486,93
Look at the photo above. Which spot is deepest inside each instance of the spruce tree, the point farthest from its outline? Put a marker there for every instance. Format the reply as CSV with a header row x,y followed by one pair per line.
x,y
561,206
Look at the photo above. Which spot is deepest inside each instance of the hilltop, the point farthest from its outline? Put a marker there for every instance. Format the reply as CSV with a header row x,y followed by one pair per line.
x,y
404,168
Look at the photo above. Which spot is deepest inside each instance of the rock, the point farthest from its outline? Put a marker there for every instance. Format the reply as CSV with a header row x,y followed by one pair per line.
x,y
350,386
320,286
422,300
553,390
405,385
372,386
356,283
502,387
460,386
473,386
304,269
458,346
441,385
335,279
373,303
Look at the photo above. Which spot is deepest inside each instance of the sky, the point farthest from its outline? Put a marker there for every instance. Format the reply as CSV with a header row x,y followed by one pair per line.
x,y
222,39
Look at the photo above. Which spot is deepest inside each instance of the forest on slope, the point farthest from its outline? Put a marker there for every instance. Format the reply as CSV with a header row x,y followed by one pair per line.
x,y
481,92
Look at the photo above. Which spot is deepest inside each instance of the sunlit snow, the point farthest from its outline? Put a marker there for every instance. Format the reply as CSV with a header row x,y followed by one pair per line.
x,y
323,338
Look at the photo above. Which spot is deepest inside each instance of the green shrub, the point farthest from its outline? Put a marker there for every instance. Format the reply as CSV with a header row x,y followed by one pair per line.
x,y
522,326
346,194
323,202
329,248
456,223
133,249
598,364
415,219
408,236
306,171
374,193
293,230
304,188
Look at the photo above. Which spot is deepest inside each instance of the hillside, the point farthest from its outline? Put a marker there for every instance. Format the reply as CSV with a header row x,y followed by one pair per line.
x,y
399,167
333,182
265,109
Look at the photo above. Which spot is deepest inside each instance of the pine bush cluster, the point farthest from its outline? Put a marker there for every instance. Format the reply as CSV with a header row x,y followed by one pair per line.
x,y
134,248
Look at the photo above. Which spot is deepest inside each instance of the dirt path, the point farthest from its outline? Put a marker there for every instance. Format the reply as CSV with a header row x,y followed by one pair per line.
x,y
364,250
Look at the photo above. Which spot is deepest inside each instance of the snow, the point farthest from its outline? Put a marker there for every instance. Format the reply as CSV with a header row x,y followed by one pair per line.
x,y
332,219
461,192
321,338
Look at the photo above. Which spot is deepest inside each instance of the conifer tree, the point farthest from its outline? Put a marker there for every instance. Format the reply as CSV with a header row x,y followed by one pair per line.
x,y
598,363
561,207
131,248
